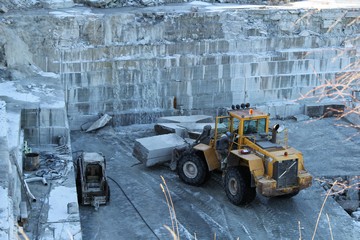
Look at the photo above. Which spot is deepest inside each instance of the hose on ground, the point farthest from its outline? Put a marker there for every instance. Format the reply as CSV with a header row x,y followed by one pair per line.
x,y
122,190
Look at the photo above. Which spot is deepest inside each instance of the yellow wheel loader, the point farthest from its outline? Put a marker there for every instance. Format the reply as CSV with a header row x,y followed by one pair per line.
x,y
246,149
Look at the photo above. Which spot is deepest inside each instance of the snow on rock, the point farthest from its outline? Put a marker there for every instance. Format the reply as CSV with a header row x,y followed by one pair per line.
x,y
16,92
59,198
4,212
3,123
13,123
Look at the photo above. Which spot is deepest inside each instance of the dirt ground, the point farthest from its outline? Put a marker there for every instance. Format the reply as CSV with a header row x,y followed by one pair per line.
x,y
138,208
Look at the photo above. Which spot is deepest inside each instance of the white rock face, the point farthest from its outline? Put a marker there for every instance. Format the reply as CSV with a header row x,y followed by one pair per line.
x,y
143,63
3,121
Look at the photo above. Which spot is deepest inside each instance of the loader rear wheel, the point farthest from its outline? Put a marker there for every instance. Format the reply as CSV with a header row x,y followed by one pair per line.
x,y
192,170
238,186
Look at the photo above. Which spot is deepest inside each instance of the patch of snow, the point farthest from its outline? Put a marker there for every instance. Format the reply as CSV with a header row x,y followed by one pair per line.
x,y
59,198
3,122
48,74
74,12
8,89
61,14
65,231
57,104
13,121
199,3
4,209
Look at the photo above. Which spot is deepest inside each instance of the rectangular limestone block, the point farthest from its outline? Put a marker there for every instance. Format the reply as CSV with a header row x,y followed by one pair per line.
x,y
182,129
156,149
188,119
324,109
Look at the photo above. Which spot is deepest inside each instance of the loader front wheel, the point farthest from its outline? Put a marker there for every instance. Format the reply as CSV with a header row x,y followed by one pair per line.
x,y
238,187
192,170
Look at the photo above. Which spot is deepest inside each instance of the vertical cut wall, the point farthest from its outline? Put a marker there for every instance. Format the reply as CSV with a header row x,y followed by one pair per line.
x,y
140,65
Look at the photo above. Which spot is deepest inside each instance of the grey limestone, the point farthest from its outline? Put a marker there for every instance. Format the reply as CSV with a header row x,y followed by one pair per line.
x,y
157,149
324,109
182,129
205,60
186,119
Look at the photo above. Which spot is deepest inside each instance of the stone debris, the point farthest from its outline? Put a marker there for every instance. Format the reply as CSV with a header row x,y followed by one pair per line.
x,y
353,190
101,122
356,214
349,206
72,208
345,190
3,8
301,117
51,167
156,149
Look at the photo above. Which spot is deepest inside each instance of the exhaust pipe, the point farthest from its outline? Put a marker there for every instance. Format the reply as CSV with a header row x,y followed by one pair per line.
x,y
274,132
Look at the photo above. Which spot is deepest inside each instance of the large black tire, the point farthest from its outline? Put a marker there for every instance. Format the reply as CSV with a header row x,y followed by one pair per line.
x,y
192,169
238,186
250,191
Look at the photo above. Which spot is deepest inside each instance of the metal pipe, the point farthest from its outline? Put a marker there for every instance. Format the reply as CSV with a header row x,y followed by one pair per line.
x,y
29,192
34,179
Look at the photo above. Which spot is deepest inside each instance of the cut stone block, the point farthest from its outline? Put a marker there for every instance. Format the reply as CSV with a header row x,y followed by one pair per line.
x,y
324,109
184,129
182,119
156,149
166,128
314,110
101,122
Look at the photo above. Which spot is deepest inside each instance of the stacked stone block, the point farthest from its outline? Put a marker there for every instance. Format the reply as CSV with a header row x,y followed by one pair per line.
x,y
140,64
44,126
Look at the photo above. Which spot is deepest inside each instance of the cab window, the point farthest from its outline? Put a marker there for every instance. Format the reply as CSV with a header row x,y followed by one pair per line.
x,y
222,125
254,126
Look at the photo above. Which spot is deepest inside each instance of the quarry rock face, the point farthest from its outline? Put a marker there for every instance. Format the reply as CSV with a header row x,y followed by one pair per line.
x,y
140,64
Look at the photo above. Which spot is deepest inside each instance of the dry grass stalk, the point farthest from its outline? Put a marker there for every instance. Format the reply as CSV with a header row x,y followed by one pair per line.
x,y
331,234
174,223
22,233
321,209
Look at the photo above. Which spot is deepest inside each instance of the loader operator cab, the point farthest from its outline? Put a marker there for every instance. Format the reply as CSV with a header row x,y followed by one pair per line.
x,y
242,123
